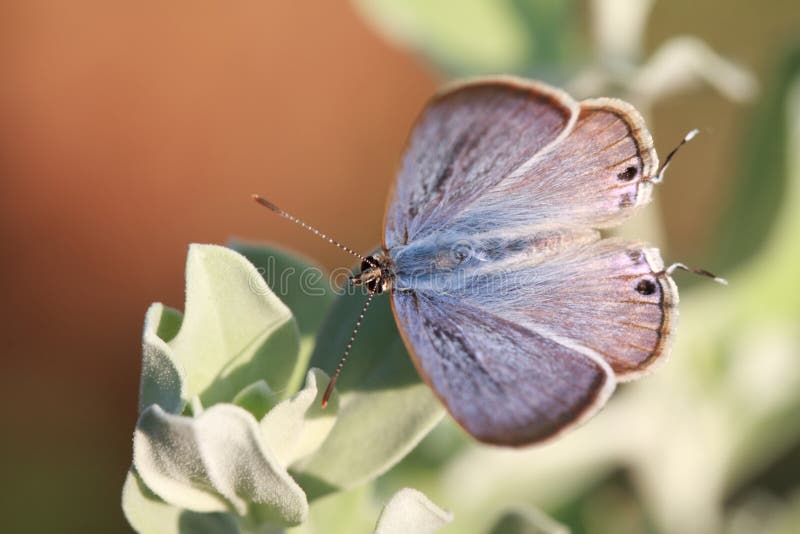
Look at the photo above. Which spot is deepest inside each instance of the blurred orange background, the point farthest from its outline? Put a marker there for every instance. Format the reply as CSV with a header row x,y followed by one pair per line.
x,y
129,130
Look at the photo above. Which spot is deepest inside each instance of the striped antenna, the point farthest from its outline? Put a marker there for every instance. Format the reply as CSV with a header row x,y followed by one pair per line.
x,y
269,205
702,272
686,138
339,367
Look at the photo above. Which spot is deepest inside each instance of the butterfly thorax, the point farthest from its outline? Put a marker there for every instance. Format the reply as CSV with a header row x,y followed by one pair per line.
x,y
377,273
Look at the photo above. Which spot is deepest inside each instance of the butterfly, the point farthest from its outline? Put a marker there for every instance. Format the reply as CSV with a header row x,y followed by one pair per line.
x,y
515,310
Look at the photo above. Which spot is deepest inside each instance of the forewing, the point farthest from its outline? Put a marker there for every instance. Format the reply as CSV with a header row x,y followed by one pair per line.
x,y
610,297
505,384
468,139
596,176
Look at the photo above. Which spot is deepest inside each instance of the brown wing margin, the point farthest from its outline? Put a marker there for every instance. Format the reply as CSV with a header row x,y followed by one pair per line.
x,y
668,303
645,161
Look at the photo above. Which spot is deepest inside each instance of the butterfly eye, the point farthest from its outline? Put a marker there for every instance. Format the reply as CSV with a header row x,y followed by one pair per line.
x,y
646,287
627,175
368,263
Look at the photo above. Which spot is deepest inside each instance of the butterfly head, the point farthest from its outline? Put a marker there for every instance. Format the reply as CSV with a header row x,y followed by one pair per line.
x,y
377,273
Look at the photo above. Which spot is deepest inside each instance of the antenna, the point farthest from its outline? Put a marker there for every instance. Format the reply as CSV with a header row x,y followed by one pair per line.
x,y
660,174
339,367
702,272
368,260
269,205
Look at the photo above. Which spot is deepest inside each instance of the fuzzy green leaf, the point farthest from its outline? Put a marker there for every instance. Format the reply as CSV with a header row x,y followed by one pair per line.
x,y
761,182
384,408
235,330
527,520
301,284
344,512
411,511
147,513
215,462
297,427
163,379
487,36
257,398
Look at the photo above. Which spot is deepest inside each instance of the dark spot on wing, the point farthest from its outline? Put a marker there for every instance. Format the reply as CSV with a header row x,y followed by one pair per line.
x,y
636,256
462,251
518,245
445,173
646,287
451,347
492,249
447,169
627,175
496,249
626,200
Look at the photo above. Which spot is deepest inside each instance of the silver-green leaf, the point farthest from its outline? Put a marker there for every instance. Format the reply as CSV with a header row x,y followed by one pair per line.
x,y
384,408
215,462
147,513
411,511
296,428
163,379
257,398
235,329
303,285
527,520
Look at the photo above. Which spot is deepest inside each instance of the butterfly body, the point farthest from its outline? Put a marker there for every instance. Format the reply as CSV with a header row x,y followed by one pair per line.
x,y
446,261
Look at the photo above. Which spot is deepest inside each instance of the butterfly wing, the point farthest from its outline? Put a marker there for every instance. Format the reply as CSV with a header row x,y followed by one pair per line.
x,y
500,152
610,297
504,383
598,175
466,140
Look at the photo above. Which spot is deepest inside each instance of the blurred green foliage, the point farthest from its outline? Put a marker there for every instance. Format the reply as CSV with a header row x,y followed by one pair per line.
x,y
469,37
759,186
